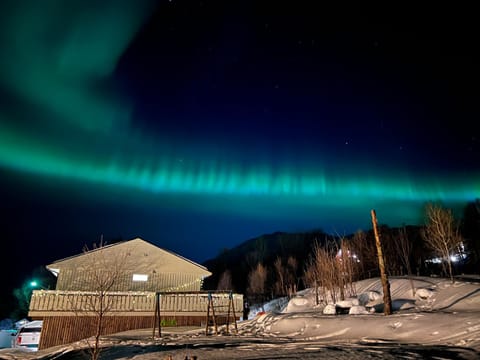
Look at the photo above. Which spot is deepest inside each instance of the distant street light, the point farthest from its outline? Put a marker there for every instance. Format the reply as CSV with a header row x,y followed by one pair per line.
x,y
36,284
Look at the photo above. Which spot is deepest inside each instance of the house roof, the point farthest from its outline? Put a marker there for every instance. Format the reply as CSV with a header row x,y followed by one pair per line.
x,y
145,255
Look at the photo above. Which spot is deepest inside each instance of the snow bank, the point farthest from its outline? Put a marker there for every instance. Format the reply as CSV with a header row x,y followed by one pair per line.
x,y
455,321
430,294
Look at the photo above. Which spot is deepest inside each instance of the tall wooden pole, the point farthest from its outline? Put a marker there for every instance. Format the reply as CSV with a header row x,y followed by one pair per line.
x,y
157,318
387,299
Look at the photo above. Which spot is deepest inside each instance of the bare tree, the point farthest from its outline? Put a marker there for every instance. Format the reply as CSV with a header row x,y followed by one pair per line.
x,y
286,276
404,250
279,286
365,252
102,273
328,273
256,281
291,275
225,282
442,235
310,278
347,263
393,263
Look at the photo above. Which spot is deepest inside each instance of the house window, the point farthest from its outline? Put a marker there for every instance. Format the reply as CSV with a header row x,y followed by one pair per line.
x,y
140,277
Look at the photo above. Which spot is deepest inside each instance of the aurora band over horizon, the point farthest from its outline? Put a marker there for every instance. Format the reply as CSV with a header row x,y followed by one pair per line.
x,y
62,120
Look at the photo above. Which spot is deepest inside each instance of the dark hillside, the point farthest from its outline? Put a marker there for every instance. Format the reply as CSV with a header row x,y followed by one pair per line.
x,y
264,249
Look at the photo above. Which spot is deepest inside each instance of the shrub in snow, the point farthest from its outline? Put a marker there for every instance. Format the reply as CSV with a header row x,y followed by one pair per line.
x,y
424,293
330,309
358,310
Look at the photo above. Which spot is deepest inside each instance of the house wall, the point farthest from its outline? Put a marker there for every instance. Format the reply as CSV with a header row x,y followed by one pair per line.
x,y
81,280
59,330
73,315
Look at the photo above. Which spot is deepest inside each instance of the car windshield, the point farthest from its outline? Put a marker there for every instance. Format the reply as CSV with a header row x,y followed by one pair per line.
x,y
30,330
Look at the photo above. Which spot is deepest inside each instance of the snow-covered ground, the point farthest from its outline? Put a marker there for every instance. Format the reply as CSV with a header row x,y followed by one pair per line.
x,y
441,321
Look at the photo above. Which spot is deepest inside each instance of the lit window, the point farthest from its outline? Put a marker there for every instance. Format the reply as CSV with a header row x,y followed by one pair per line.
x,y
140,277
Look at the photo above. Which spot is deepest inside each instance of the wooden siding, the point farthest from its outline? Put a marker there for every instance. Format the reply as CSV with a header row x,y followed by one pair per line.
x,y
137,256
69,315
79,280
59,330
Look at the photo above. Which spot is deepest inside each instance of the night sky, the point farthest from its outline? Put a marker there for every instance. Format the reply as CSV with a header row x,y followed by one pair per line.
x,y
197,125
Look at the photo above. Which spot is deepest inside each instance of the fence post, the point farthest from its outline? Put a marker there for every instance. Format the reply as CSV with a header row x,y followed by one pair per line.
x,y
157,317
210,304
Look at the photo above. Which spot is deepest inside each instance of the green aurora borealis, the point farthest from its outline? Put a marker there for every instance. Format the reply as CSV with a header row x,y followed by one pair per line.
x,y
141,170
63,118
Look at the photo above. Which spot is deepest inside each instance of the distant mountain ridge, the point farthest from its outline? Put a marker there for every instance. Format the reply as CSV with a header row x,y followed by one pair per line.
x,y
262,249
265,249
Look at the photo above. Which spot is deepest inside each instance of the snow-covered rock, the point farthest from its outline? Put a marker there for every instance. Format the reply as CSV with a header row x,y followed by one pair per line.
x,y
358,310
347,303
424,293
330,309
369,296
303,301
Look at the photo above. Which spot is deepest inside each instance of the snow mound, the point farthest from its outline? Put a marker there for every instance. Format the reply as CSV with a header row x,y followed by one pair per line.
x,y
424,294
358,310
303,301
330,309
299,301
347,303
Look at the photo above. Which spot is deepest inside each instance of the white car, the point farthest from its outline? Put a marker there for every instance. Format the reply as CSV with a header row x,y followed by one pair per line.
x,y
28,336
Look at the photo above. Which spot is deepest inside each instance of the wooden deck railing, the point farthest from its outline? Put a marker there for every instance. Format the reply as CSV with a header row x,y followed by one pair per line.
x,y
61,303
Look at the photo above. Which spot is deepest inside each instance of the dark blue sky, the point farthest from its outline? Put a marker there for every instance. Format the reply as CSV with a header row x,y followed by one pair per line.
x,y
200,124
286,80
